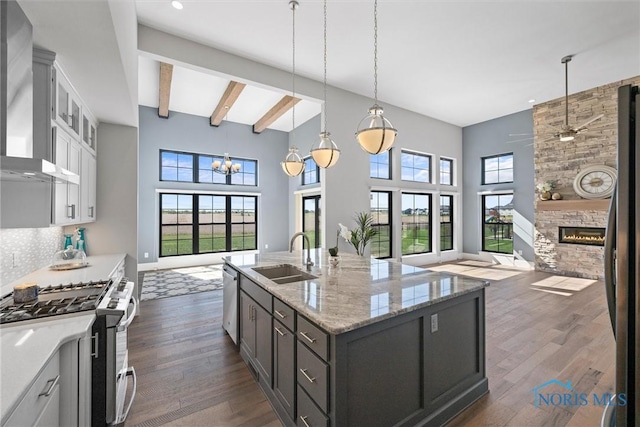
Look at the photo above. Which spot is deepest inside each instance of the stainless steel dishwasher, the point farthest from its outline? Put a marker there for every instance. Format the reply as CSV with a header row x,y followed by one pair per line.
x,y
230,302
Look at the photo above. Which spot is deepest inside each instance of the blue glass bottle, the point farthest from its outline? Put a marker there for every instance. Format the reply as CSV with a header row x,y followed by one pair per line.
x,y
81,243
67,241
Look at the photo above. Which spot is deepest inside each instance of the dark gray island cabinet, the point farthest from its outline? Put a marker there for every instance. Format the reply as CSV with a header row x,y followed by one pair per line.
x,y
418,358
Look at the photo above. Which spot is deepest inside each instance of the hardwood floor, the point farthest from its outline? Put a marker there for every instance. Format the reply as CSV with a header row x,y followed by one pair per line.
x,y
539,327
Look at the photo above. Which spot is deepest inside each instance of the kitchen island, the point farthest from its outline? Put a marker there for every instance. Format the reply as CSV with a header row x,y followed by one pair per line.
x,y
369,342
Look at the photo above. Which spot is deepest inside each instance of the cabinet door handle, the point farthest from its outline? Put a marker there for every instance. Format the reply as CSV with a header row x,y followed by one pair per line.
x,y
91,211
249,312
280,315
279,331
52,383
308,338
94,338
304,372
304,420
71,208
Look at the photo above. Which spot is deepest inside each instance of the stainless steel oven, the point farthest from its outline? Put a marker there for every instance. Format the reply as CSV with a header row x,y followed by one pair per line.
x,y
111,371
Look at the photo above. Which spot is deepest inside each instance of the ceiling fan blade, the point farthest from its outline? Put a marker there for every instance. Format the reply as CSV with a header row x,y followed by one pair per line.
x,y
591,120
513,141
521,134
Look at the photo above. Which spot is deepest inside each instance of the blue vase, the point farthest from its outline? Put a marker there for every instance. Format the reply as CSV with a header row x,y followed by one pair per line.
x,y
81,243
67,241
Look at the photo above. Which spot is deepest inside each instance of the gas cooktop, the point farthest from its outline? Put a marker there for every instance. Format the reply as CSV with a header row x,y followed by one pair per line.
x,y
54,300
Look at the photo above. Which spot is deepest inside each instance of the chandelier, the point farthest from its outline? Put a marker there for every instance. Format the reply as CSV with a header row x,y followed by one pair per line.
x,y
226,166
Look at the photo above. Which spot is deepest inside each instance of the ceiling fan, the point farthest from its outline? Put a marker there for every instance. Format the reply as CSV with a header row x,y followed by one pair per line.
x,y
566,132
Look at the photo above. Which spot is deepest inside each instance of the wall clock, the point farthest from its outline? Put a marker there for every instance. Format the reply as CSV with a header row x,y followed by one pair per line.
x,y
595,182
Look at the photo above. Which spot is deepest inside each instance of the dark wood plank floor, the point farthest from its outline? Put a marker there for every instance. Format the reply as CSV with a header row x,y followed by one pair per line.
x,y
539,327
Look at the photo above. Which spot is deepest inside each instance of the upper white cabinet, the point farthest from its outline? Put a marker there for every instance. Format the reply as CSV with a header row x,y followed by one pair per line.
x,y
62,121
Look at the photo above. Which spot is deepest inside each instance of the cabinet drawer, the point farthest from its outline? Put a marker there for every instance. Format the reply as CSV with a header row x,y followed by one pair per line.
x,y
308,413
314,337
313,375
283,313
260,296
35,401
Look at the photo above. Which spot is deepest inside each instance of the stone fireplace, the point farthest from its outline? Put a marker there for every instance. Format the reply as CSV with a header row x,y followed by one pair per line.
x,y
562,161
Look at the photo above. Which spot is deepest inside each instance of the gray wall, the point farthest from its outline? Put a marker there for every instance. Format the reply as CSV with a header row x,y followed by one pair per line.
x,y
345,187
115,231
487,139
185,132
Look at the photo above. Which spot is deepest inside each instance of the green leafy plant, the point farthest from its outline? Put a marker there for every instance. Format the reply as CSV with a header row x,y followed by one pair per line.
x,y
359,237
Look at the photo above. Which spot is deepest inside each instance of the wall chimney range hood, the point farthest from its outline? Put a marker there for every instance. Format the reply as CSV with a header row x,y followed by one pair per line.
x,y
20,159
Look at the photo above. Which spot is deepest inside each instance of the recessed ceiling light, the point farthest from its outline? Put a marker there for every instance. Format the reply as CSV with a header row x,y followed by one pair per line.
x,y
531,101
177,4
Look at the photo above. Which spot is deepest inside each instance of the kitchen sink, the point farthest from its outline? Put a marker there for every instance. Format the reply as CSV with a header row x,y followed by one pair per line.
x,y
284,273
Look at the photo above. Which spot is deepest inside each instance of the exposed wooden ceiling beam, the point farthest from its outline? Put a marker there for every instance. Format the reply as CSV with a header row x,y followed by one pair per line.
x,y
285,104
229,96
166,72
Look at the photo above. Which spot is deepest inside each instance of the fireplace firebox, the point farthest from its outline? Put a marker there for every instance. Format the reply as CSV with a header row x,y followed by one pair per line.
x,y
593,236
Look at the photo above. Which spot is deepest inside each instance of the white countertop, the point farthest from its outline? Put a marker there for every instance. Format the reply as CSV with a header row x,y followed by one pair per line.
x,y
100,267
21,362
25,349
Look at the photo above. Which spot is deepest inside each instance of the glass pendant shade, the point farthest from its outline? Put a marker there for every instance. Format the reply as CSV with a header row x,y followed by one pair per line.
x,y
327,153
375,133
293,164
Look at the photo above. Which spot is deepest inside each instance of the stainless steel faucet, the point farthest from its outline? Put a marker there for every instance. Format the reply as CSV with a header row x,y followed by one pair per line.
x,y
309,263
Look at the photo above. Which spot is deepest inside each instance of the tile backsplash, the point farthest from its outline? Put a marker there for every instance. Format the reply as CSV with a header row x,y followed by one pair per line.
x,y
24,250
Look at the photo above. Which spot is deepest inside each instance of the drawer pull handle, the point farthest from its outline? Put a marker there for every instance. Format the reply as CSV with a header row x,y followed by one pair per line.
x,y
279,331
94,338
280,315
304,420
311,340
52,383
304,372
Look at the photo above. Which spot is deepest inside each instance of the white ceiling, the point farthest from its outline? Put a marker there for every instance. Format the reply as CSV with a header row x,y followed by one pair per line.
x,y
462,62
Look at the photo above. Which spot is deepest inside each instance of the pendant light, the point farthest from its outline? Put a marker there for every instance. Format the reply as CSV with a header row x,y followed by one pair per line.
x,y
326,154
226,166
375,133
293,165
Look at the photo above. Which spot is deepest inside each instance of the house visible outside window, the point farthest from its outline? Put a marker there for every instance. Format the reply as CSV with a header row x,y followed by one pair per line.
x,y
311,220
446,171
176,166
497,169
416,167
381,214
416,223
380,165
311,174
446,223
497,223
223,223
194,167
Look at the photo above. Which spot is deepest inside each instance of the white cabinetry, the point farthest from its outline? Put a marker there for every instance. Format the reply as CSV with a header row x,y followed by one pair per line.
x,y
62,120
87,186
66,197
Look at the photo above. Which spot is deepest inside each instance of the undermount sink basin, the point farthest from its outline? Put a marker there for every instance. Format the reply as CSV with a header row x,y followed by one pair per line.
x,y
284,273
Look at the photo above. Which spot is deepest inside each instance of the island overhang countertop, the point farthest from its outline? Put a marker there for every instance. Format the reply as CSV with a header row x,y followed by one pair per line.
x,y
358,292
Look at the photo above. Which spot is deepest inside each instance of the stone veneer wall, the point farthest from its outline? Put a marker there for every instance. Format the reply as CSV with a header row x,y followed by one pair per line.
x,y
562,161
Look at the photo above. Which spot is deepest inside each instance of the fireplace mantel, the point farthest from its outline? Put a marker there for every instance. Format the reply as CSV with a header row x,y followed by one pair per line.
x,y
574,205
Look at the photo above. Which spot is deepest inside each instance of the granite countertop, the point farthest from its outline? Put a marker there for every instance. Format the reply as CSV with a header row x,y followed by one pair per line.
x,y
359,291
26,346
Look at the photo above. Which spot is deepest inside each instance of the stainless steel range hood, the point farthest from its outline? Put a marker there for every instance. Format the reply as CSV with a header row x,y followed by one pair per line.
x,y
19,158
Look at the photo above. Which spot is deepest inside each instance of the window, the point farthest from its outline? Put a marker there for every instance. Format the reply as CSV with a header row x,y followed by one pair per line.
x,y
311,174
193,167
446,223
416,167
497,223
381,215
497,169
446,171
311,220
176,166
416,223
223,223
176,224
380,165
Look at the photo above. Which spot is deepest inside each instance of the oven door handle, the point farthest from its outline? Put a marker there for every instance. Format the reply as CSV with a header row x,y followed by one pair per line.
x,y
124,325
130,372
